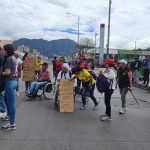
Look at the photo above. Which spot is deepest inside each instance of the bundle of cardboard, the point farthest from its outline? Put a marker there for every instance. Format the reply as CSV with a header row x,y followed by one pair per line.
x,y
29,69
66,96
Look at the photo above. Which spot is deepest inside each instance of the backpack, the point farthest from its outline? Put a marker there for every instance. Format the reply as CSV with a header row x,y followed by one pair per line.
x,y
63,73
103,83
93,74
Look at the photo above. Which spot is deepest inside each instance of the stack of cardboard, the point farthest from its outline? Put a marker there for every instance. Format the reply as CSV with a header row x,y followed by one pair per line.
x,y
29,69
66,96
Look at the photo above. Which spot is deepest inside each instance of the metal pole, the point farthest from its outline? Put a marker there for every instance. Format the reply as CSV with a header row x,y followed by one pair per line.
x,y
78,29
78,25
108,37
95,50
135,49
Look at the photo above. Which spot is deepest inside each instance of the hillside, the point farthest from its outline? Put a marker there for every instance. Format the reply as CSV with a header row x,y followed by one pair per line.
x,y
49,48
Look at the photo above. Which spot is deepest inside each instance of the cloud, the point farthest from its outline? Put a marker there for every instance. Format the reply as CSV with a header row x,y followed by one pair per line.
x,y
47,19
67,30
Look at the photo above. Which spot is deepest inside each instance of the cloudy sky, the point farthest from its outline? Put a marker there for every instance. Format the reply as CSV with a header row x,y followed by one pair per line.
x,y
48,19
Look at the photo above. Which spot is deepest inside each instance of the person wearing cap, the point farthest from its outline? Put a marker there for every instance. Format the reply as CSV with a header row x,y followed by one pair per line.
x,y
88,84
19,68
44,77
111,75
10,74
124,80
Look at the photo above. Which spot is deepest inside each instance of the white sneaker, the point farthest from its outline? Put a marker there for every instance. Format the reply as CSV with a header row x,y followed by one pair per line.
x,y
83,107
17,93
125,108
105,117
8,126
121,111
3,115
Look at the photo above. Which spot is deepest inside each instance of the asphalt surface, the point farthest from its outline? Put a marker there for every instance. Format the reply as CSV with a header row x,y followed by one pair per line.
x,y
40,126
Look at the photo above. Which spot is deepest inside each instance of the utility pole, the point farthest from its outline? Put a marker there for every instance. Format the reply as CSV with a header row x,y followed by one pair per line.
x,y
79,30
78,25
108,36
95,50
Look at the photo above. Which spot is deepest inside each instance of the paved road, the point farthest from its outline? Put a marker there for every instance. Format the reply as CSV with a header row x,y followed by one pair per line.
x,y
41,127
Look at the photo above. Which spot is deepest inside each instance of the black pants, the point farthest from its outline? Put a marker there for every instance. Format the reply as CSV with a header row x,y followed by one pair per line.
x,y
107,96
146,76
79,82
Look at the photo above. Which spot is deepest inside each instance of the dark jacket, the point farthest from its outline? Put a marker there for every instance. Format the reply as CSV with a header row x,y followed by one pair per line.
x,y
1,70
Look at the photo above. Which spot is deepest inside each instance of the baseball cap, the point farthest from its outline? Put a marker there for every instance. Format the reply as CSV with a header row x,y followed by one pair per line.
x,y
109,61
123,61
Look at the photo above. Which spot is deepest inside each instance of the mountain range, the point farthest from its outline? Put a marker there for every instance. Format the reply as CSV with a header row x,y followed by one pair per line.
x,y
49,48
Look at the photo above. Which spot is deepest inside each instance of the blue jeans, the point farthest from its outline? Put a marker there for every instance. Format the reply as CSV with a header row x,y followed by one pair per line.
x,y
10,99
17,88
28,85
2,103
35,86
123,93
91,94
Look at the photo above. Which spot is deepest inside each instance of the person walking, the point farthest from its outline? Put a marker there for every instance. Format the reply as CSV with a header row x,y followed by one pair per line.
x,y
54,67
19,68
135,67
146,64
10,74
3,110
124,80
111,75
27,83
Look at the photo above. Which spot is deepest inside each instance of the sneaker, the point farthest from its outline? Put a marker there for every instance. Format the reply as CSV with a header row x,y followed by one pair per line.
x,y
121,111
83,107
105,117
3,115
8,126
6,118
125,109
31,96
96,107
17,93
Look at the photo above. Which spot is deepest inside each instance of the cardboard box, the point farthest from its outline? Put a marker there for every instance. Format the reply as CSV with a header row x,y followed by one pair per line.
x,y
29,69
66,96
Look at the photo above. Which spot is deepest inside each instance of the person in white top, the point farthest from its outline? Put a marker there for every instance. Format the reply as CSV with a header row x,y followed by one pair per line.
x,y
65,73
111,75
18,69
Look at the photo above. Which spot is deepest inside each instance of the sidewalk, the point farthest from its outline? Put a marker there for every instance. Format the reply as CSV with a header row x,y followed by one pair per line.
x,y
140,85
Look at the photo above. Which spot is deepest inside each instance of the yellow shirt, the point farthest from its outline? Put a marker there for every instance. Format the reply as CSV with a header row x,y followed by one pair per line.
x,y
38,65
85,76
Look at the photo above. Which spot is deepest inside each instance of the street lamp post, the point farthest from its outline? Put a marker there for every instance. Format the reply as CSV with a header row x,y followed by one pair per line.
x,y
108,37
78,25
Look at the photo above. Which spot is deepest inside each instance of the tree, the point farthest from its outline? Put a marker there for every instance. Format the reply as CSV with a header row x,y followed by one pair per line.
x,y
87,43
148,49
